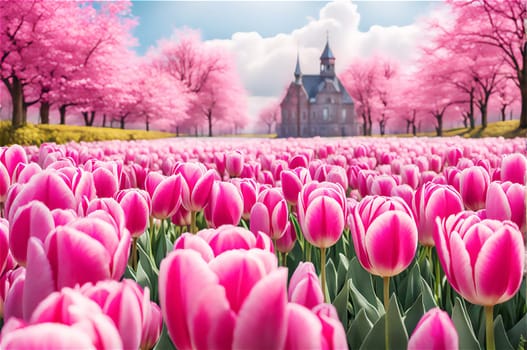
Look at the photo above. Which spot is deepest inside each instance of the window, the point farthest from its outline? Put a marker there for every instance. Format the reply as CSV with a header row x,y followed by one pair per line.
x,y
325,114
304,115
322,68
344,115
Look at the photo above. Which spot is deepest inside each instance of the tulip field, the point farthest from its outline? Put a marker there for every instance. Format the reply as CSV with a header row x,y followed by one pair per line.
x,y
342,243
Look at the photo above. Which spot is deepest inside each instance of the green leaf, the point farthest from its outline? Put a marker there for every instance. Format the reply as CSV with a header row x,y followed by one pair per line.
x,y
164,342
362,281
500,336
341,304
161,249
331,279
519,330
428,296
129,273
361,303
342,270
147,273
397,336
411,287
359,329
414,314
467,338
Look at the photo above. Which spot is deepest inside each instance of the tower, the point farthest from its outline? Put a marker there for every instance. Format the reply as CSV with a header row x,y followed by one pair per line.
x,y
327,62
298,72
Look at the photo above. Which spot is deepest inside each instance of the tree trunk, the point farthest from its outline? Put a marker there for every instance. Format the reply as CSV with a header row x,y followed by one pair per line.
x,y
88,118
369,124
408,123
414,129
382,126
471,118
209,119
122,121
104,120
147,124
483,110
268,128
44,112
503,112
465,119
364,125
523,90
196,131
17,98
177,130
439,127
62,111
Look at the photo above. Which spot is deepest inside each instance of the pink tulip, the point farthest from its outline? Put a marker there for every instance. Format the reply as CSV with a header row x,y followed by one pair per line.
x,y
249,190
506,201
229,237
383,185
152,180
482,259
292,183
384,235
198,185
237,301
269,214
83,185
410,175
514,168
4,245
47,187
181,217
286,243
321,209
167,197
474,182
129,308
11,157
433,201
136,207
94,249
31,220
5,182
106,182
436,331
304,286
70,308
405,192
234,163
225,205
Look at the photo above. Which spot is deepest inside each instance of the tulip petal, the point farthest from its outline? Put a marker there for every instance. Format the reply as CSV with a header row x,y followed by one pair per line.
x,y
391,242
262,320
499,266
304,330
182,275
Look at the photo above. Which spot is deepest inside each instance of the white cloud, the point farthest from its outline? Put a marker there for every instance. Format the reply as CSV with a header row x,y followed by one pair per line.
x,y
266,64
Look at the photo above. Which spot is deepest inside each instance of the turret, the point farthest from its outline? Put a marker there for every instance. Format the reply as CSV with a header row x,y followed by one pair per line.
x,y
298,72
327,62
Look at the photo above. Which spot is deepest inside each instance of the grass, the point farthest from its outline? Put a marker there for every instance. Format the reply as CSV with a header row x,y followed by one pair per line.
x,y
32,134
507,129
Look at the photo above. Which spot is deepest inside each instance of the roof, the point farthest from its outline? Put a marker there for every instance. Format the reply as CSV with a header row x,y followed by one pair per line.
x,y
298,72
313,84
327,53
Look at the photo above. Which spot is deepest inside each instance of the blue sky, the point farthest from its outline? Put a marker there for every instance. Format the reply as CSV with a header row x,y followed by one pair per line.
x,y
264,36
220,19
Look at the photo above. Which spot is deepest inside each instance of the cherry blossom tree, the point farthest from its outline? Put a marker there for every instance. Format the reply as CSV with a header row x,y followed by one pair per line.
x,y
498,25
208,75
269,115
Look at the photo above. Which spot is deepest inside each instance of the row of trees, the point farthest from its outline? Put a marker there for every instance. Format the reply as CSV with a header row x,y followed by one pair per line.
x,y
475,64
74,56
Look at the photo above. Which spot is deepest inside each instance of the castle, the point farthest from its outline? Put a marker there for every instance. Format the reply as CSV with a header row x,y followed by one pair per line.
x,y
317,105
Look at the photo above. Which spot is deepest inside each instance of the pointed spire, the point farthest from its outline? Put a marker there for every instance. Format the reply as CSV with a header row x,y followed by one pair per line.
x,y
298,72
327,53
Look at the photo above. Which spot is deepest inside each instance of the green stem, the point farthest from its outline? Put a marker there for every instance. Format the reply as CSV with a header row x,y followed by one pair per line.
x,y
193,227
284,259
307,246
134,253
323,272
151,231
386,292
489,322
437,277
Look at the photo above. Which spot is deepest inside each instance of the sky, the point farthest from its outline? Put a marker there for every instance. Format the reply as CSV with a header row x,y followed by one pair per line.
x,y
264,36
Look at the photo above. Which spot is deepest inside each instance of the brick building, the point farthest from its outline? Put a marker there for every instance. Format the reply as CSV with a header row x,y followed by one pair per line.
x,y
317,105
